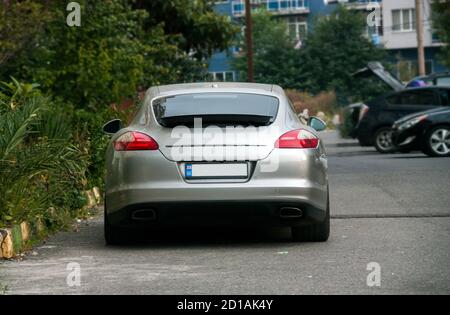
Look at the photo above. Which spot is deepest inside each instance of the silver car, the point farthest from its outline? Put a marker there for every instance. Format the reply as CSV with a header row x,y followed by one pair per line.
x,y
217,154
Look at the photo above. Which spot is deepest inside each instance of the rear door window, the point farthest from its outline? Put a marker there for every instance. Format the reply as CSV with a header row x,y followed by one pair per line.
x,y
216,108
445,97
443,81
416,97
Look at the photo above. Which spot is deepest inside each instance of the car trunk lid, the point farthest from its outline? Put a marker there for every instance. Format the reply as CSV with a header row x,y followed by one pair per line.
x,y
377,69
216,126
217,143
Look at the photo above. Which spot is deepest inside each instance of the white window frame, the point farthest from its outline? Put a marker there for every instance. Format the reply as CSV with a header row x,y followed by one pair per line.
x,y
297,23
224,74
412,19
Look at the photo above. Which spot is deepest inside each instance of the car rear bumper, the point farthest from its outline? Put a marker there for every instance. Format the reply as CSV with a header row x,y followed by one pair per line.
x,y
220,205
217,214
300,181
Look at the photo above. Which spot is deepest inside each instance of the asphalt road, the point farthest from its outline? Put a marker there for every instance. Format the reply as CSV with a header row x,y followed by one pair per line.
x,y
393,210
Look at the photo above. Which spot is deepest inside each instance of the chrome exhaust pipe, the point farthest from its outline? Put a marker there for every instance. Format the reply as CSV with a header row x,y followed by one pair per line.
x,y
290,213
144,215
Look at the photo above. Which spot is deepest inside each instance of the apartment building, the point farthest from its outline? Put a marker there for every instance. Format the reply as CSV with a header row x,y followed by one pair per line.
x,y
400,37
395,31
294,12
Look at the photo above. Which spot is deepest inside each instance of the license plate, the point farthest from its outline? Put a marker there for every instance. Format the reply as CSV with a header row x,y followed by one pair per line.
x,y
222,170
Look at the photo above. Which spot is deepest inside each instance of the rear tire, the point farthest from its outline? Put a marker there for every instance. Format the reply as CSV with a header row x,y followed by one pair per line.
x,y
383,140
437,142
319,232
113,235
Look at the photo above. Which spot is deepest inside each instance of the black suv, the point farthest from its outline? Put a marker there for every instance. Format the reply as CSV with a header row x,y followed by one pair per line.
x,y
378,115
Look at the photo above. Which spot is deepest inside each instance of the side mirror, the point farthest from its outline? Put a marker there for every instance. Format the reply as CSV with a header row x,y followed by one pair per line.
x,y
317,124
112,127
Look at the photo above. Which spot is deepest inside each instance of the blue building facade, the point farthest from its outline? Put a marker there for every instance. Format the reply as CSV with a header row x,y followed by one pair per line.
x,y
300,15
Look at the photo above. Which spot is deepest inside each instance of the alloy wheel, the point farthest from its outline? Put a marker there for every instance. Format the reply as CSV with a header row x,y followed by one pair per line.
x,y
440,141
384,140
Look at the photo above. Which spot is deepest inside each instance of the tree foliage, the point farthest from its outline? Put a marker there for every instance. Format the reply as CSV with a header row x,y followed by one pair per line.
x,y
336,49
441,22
275,58
118,50
330,54
20,22
198,28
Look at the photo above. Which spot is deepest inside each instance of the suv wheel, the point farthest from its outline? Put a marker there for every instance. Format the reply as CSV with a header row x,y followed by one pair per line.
x,y
383,140
437,142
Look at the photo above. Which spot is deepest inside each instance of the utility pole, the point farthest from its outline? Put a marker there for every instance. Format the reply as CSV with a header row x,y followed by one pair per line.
x,y
420,47
249,37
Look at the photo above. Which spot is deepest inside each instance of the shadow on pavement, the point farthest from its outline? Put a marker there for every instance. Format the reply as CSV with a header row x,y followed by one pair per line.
x,y
201,237
407,157
353,153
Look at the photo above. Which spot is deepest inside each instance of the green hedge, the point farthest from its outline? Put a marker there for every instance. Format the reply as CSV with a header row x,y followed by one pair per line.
x,y
42,164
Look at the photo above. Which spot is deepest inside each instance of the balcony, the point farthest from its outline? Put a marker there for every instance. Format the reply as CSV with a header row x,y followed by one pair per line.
x,y
358,4
277,7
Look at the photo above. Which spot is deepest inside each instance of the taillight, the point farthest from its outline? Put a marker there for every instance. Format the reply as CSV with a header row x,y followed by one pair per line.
x,y
135,141
297,139
364,110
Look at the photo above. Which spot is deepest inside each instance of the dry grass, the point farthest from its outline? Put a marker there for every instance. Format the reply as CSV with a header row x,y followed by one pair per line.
x,y
324,102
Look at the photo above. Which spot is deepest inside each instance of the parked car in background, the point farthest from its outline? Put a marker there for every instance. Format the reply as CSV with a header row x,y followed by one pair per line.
x,y
355,112
376,69
378,115
427,131
168,169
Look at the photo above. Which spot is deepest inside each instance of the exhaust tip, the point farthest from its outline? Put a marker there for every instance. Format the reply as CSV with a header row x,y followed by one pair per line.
x,y
144,215
290,213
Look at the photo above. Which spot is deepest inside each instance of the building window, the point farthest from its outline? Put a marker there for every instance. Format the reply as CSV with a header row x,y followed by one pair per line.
x,y
238,6
404,20
297,28
435,36
225,76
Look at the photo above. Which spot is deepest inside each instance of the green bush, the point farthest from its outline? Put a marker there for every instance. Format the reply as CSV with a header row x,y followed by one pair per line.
x,y
43,169
87,127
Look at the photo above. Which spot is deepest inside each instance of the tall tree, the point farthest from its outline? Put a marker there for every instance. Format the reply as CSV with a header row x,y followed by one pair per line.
x,y
275,57
20,22
337,48
116,51
199,29
441,22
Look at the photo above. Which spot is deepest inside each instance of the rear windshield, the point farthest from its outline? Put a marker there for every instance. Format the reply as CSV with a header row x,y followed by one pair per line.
x,y
216,108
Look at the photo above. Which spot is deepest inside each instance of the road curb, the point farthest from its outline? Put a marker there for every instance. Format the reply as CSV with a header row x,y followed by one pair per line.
x,y
16,239
93,197
13,240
